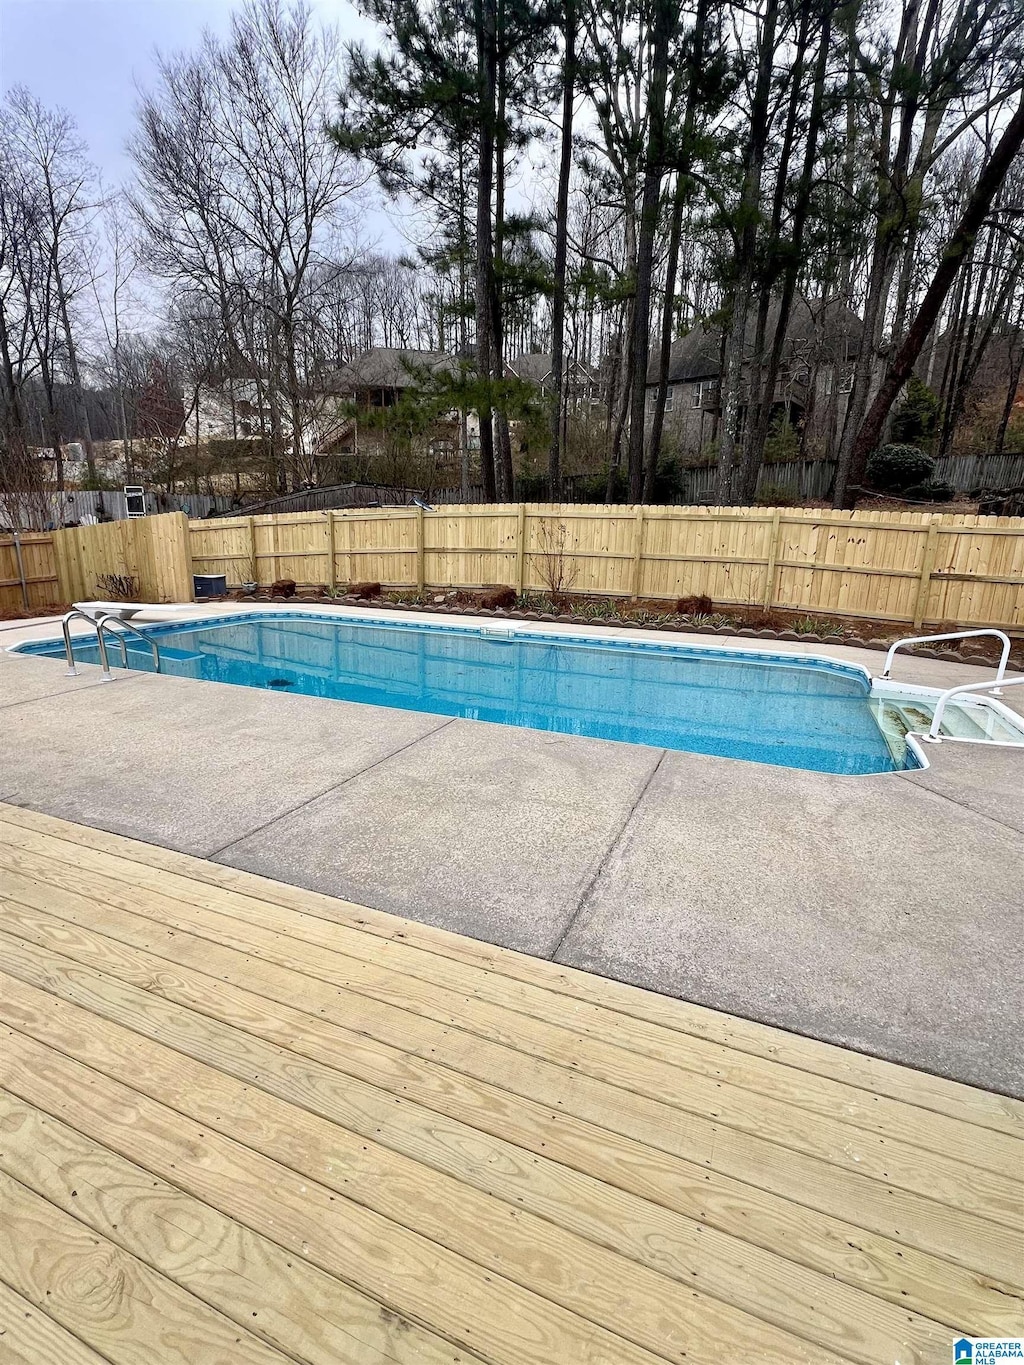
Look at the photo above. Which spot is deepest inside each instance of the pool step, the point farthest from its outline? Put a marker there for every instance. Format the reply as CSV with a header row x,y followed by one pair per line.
x,y
960,720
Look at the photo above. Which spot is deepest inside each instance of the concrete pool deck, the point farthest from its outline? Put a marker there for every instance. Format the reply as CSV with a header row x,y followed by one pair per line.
x,y
883,913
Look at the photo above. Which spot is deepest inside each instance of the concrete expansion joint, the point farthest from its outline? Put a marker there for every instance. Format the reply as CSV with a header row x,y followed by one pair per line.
x,y
334,786
606,859
971,811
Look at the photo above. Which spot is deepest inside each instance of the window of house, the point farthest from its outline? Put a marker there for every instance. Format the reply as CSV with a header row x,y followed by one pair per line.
x,y
695,395
846,382
652,398
669,398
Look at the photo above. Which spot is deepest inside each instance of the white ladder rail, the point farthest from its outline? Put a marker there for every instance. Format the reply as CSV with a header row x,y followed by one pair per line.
x,y
933,736
101,621
954,635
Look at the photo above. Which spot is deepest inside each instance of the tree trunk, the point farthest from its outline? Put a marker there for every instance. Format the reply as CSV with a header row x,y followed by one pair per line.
x,y
561,253
959,245
758,434
665,15
750,207
683,165
486,51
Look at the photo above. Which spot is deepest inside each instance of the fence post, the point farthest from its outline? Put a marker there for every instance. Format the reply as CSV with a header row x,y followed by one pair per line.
x,y
332,577
773,554
931,542
638,550
420,566
21,569
521,549
254,567
186,557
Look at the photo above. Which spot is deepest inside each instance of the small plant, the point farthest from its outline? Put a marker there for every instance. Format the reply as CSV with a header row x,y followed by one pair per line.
x,y
118,587
558,568
894,468
915,421
777,495
782,442
250,571
810,625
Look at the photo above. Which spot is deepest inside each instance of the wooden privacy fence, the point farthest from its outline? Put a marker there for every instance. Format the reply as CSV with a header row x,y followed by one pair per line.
x,y
28,574
153,550
911,567
907,567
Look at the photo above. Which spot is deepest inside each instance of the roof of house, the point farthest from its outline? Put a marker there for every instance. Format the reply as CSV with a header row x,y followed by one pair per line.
x,y
828,329
388,367
535,368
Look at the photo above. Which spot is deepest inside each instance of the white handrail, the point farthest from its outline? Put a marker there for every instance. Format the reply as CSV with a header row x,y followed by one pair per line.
x,y
953,635
933,733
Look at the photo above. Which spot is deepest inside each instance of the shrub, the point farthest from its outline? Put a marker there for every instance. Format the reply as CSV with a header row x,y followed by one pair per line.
x,y
893,468
916,419
698,605
776,495
118,587
934,490
782,442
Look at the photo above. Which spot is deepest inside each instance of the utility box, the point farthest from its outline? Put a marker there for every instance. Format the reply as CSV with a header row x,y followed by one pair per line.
x,y
206,585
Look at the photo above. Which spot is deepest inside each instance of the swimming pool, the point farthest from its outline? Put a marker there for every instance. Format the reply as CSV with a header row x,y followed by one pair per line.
x,y
790,711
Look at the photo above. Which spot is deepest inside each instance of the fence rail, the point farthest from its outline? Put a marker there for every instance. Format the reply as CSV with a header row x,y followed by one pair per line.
x,y
28,574
917,568
907,567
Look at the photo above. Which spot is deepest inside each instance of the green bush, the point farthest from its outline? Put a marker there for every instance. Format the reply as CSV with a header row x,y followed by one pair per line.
x,y
893,468
916,419
776,495
934,490
783,441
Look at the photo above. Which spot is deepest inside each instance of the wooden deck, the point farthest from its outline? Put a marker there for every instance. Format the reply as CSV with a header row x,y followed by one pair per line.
x,y
241,1122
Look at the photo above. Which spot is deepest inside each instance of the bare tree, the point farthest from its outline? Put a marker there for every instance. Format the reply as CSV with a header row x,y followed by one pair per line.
x,y
49,159
240,192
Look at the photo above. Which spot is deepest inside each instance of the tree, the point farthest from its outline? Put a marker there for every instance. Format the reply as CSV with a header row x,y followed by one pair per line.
x,y
568,85
241,197
994,173
51,198
949,67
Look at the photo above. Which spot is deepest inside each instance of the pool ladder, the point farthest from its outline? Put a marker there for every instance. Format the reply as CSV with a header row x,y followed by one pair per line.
x,y
103,622
994,685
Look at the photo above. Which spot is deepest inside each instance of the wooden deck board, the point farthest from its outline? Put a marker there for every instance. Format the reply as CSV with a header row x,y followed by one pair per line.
x,y
886,1268
28,1335
976,1242
401,1145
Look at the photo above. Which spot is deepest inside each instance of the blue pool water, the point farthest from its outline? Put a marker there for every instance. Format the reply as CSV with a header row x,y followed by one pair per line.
x,y
797,713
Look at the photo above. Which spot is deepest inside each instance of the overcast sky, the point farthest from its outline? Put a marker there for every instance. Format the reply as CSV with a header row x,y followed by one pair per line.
x,y
91,56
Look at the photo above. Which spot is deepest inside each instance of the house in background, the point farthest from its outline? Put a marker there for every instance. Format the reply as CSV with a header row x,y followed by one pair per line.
x,y
811,393
377,380
583,388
